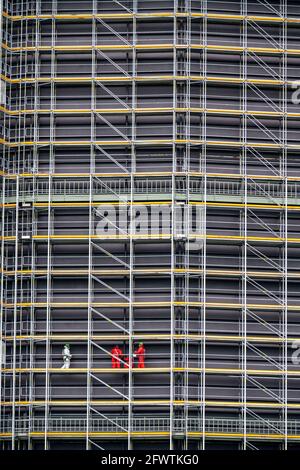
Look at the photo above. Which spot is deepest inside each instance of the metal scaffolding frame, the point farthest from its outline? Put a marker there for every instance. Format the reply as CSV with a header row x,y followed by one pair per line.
x,y
181,110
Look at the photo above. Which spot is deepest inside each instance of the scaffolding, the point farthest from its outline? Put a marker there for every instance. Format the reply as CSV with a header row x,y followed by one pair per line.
x,y
150,192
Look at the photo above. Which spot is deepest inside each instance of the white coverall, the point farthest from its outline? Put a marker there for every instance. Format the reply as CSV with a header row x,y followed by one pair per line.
x,y
66,358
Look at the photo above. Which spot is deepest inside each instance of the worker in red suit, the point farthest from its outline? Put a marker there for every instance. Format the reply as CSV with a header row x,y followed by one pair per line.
x,y
116,357
139,353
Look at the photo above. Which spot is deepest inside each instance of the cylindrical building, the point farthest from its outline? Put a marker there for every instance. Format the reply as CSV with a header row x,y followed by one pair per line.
x,y
150,200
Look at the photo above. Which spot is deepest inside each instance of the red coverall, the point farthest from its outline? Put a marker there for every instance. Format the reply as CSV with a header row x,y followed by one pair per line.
x,y
115,359
140,354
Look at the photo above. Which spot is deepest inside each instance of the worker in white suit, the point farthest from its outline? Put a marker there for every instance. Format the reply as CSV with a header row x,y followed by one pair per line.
x,y
67,356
